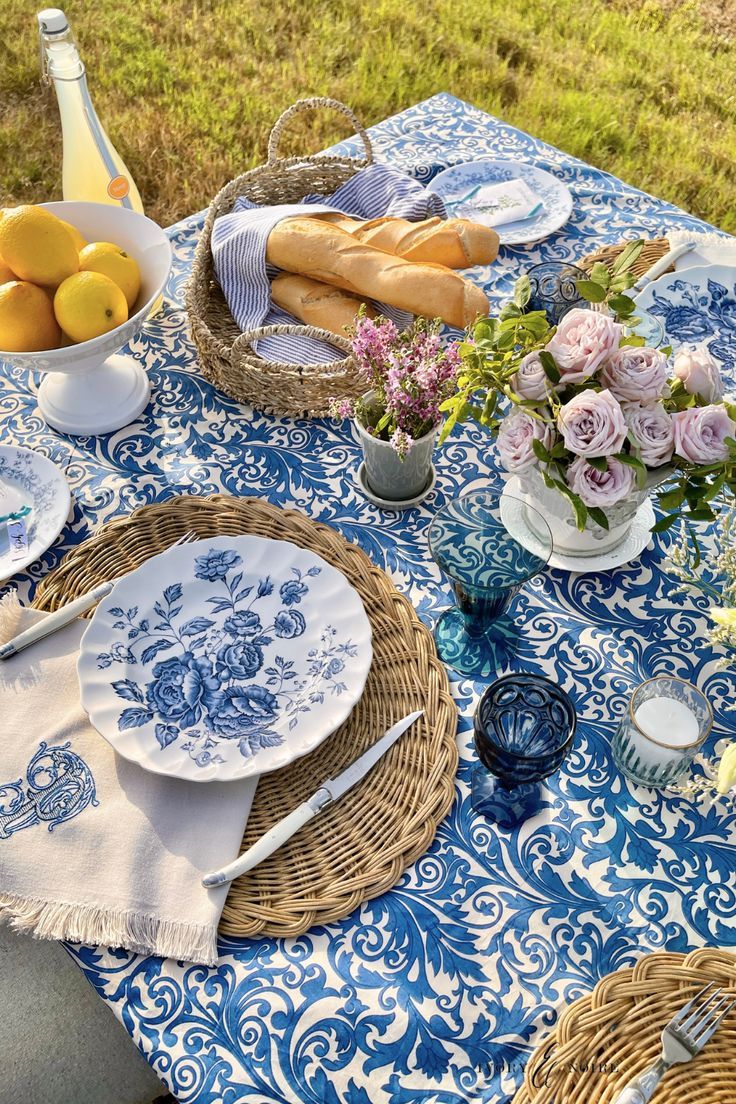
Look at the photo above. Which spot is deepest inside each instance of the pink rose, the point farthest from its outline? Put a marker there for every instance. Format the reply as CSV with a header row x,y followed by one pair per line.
x,y
592,424
601,489
530,380
701,432
584,339
515,436
651,431
635,375
699,373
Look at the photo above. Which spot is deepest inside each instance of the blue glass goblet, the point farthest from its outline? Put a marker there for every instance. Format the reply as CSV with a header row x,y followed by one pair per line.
x,y
524,726
554,289
487,566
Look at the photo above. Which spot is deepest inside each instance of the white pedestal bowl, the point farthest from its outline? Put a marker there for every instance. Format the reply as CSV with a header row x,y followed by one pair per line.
x,y
91,387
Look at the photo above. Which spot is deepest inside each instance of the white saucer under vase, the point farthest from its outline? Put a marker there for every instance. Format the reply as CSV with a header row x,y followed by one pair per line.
x,y
632,536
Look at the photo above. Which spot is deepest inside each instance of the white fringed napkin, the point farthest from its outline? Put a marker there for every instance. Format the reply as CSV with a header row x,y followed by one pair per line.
x,y
710,248
93,848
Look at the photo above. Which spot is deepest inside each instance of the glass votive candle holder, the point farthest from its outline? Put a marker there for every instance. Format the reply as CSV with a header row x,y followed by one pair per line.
x,y
524,726
666,723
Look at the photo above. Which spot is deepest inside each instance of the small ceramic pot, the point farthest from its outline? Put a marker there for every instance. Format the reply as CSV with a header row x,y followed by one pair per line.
x,y
557,511
390,477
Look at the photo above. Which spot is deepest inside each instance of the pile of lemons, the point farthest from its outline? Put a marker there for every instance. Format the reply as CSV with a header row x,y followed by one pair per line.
x,y
55,288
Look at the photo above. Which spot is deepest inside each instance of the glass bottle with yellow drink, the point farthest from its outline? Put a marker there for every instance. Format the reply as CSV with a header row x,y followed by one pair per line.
x,y
93,170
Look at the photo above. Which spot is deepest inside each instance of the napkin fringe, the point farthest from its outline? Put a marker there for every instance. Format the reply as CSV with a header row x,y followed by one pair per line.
x,y
110,927
10,611
680,237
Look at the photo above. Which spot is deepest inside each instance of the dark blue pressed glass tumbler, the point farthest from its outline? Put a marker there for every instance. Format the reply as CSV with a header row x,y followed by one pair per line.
x,y
553,288
487,567
524,726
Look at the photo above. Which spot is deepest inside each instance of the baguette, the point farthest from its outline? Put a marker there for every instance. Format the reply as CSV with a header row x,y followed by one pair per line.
x,y
318,304
456,243
310,247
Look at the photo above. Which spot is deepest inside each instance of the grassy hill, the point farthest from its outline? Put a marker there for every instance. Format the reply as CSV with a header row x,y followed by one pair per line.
x,y
189,90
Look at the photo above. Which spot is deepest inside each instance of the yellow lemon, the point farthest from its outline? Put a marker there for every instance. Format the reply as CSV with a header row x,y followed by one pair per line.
x,y
37,246
88,304
114,262
27,322
79,241
6,273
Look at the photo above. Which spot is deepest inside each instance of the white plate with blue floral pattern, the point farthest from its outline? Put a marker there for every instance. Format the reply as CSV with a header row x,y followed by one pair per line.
x,y
40,485
554,195
697,306
225,658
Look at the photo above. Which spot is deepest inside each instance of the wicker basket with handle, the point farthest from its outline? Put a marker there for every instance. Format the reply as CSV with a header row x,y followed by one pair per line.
x,y
228,357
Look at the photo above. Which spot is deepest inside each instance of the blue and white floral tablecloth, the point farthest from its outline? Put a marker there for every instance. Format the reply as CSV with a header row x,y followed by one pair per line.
x,y
437,991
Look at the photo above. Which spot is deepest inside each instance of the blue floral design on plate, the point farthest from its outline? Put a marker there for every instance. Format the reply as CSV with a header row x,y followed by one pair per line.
x,y
227,661
696,306
43,487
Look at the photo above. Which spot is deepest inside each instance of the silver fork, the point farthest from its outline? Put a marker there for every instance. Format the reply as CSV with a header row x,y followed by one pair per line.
x,y
68,613
684,1036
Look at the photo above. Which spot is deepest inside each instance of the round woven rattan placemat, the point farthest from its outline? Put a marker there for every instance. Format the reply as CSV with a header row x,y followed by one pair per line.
x,y
612,1034
360,846
651,252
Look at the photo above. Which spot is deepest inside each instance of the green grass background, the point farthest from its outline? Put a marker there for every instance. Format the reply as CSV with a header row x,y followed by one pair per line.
x,y
188,91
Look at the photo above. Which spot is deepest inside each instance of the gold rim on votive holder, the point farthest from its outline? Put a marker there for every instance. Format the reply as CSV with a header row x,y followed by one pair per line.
x,y
680,748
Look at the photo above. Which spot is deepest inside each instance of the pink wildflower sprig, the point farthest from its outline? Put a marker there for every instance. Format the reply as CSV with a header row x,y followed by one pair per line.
x,y
409,374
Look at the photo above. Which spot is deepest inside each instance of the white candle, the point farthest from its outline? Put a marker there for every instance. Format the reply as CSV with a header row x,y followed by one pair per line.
x,y
668,721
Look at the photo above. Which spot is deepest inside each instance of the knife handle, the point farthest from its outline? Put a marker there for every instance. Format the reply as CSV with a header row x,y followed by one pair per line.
x,y
55,621
268,843
661,266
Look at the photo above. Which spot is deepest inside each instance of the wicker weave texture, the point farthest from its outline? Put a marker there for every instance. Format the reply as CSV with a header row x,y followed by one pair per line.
x,y
360,846
613,1034
227,357
653,250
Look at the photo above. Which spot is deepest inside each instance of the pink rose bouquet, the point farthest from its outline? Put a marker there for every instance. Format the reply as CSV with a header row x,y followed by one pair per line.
x,y
592,423
698,372
583,341
702,432
593,410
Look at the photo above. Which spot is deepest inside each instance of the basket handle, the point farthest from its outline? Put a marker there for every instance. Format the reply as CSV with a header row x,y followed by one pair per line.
x,y
284,330
313,104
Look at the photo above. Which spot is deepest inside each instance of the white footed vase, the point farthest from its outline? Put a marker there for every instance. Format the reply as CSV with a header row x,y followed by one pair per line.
x,y
91,387
557,511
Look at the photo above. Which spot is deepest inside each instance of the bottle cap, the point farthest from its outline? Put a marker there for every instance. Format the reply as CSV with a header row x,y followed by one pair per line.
x,y
52,21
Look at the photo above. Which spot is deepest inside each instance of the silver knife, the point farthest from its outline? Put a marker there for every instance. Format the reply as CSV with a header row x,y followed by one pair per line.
x,y
329,791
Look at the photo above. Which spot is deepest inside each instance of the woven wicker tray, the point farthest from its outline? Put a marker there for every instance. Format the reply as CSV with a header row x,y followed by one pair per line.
x,y
651,252
611,1035
361,846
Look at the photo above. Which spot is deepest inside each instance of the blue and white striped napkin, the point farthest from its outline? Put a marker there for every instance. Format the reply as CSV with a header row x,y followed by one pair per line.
x,y
239,251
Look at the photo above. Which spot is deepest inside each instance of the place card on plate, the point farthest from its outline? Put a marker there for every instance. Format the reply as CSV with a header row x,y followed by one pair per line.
x,y
497,204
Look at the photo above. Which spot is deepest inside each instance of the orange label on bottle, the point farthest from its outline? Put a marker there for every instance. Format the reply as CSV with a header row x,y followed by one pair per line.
x,y
118,187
